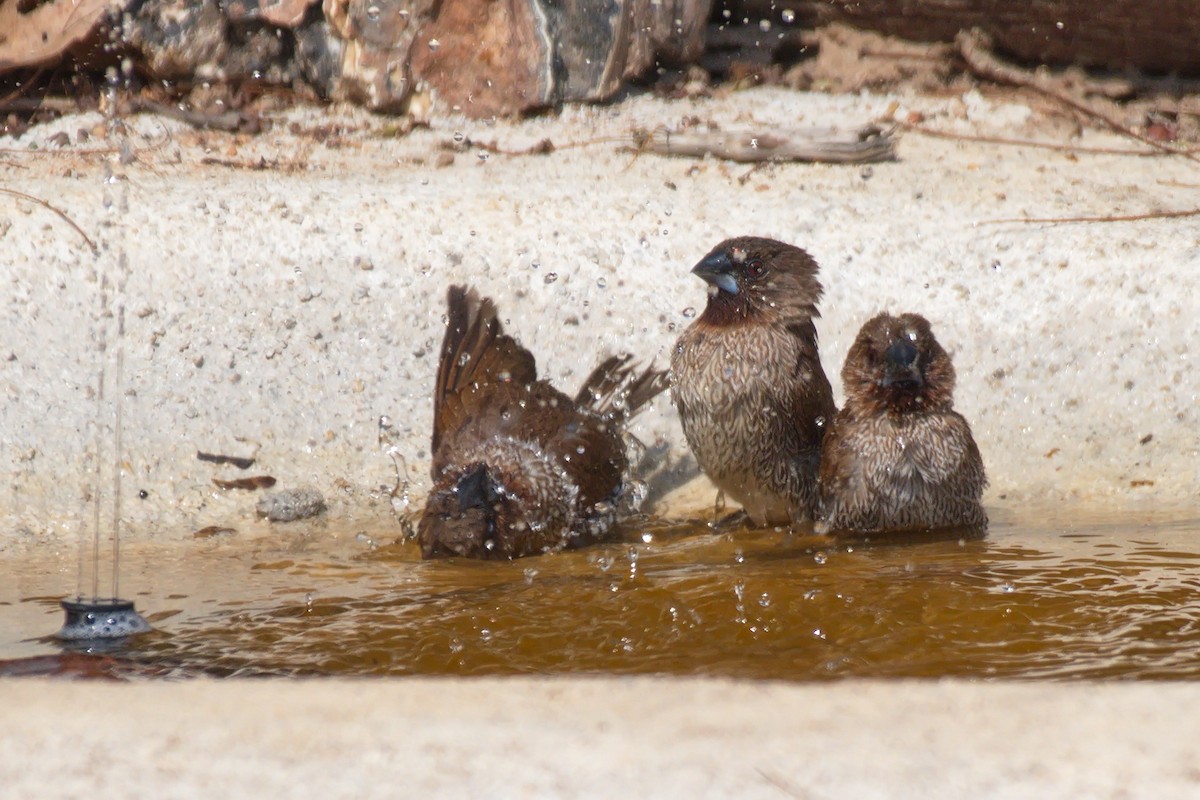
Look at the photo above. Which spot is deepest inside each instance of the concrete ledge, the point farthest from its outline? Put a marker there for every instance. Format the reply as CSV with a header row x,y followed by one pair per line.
x,y
643,737
287,309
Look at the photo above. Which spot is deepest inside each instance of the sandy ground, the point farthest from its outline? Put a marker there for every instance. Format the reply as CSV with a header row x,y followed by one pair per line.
x,y
284,292
591,738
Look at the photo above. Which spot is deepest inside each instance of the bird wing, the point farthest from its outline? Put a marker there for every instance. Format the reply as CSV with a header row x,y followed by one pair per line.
x,y
615,389
475,351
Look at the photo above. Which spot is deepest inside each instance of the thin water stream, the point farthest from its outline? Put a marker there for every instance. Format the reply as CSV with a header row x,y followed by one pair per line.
x,y
1038,598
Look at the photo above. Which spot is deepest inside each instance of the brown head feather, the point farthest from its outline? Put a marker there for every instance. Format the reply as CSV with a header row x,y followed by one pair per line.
x,y
754,278
876,383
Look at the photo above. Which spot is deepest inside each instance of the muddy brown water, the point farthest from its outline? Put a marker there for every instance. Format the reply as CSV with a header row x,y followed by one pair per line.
x,y
1040,597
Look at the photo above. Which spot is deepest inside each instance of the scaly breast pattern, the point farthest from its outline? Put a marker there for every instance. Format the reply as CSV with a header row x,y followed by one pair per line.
x,y
736,388
910,472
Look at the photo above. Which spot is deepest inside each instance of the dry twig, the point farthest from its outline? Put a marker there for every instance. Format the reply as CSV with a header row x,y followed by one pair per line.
x,y
1195,212
60,213
1066,148
975,48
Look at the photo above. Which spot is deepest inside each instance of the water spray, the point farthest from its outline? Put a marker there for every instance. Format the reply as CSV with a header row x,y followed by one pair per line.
x,y
98,618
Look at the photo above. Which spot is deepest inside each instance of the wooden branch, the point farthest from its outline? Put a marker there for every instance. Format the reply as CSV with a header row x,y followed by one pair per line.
x,y
865,145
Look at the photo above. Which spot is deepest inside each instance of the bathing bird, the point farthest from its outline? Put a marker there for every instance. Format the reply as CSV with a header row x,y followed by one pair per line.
x,y
519,468
747,379
898,457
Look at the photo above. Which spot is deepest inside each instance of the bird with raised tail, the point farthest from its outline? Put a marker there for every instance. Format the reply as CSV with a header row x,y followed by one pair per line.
x,y
519,468
898,457
747,379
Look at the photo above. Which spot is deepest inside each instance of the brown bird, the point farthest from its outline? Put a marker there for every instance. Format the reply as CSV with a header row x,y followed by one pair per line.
x,y
898,457
748,382
520,468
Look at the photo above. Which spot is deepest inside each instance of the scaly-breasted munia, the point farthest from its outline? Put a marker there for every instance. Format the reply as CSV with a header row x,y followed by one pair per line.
x,y
898,457
520,468
747,379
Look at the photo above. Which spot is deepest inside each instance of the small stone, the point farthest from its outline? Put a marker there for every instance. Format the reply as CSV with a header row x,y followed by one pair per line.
x,y
289,505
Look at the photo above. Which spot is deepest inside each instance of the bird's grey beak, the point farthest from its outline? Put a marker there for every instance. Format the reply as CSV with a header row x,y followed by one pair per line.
x,y
900,368
717,270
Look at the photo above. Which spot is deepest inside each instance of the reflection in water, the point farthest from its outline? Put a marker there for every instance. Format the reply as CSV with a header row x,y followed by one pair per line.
x,y
1089,600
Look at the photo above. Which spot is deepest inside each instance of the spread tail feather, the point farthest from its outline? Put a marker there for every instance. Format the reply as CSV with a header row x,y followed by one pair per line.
x,y
475,350
615,388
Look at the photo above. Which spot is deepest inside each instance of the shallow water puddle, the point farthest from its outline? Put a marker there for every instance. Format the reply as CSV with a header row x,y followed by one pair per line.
x,y
1092,598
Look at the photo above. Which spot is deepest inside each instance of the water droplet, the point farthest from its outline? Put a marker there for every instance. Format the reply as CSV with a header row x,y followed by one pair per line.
x,y
373,13
434,44
483,156
764,25
536,265
601,282
820,557
458,137
789,16
551,277
647,537
463,359
689,312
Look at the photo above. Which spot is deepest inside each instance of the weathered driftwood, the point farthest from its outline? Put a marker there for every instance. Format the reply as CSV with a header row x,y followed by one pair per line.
x,y
865,145
1158,36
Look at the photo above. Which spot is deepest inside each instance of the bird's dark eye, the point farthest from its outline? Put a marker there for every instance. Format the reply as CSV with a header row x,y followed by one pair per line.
x,y
754,269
